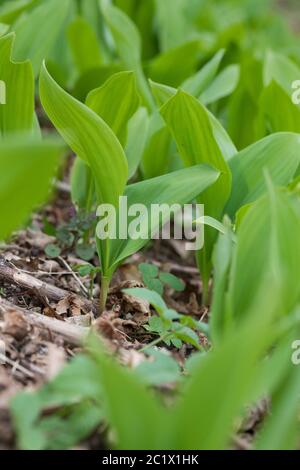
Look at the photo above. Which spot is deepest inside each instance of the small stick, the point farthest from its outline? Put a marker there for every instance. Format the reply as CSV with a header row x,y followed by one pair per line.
x,y
54,293
15,366
73,334
66,265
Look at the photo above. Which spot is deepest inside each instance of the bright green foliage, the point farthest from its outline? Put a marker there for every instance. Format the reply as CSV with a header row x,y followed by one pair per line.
x,y
155,280
95,143
171,327
128,45
26,168
105,101
84,45
248,168
36,35
271,230
166,101
9,11
88,135
17,114
191,128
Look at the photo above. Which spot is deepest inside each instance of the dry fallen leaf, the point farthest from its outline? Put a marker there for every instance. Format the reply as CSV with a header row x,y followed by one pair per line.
x,y
133,303
15,325
70,305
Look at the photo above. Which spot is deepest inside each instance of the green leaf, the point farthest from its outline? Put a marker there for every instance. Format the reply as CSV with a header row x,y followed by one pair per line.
x,y
164,68
115,102
158,143
93,78
163,93
199,82
223,85
211,222
172,22
25,410
281,429
155,325
172,281
153,284
131,409
152,297
243,104
85,251
149,270
162,370
89,137
221,389
188,121
65,432
36,35
125,33
277,112
52,251
270,230
281,69
9,11
247,168
75,386
24,160
128,43
136,139
187,335
18,112
222,257
82,188
4,28
179,187
192,130
84,45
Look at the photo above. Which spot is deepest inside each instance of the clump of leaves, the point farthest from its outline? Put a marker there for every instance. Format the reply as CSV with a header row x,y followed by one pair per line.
x,y
91,138
171,327
74,235
154,279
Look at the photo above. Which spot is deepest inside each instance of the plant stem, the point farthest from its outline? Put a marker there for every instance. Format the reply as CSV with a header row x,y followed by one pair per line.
x,y
105,282
156,341
205,290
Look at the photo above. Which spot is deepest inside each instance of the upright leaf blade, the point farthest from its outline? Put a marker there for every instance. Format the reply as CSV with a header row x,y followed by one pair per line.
x,y
115,102
84,45
271,230
17,114
128,43
89,137
278,153
179,187
36,35
30,165
188,121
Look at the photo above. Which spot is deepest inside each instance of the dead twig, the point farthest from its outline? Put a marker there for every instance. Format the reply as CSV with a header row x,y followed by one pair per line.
x,y
77,279
51,292
72,334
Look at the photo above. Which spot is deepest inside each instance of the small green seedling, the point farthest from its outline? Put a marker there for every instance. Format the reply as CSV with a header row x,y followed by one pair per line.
x,y
88,270
171,327
155,280
73,235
